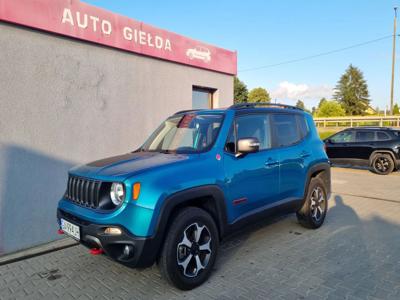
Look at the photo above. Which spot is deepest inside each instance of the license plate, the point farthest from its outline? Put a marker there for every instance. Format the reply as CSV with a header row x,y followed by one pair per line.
x,y
71,229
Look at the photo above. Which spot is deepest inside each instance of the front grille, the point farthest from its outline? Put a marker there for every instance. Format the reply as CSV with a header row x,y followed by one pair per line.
x,y
85,192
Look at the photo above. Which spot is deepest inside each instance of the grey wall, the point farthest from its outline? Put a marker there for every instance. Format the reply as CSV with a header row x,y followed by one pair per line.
x,y
65,102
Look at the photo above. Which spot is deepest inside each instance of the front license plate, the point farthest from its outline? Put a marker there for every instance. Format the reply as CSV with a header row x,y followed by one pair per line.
x,y
71,229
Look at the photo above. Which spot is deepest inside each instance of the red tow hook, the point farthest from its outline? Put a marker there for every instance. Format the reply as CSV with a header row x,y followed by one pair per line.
x,y
60,231
96,251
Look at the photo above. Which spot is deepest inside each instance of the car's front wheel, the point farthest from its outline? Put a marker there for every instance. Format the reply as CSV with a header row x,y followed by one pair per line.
x,y
190,249
312,213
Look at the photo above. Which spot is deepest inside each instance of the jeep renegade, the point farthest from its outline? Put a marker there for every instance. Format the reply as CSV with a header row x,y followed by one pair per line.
x,y
200,176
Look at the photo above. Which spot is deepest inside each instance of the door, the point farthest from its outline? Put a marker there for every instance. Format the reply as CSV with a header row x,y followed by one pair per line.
x,y
252,180
289,134
363,146
337,146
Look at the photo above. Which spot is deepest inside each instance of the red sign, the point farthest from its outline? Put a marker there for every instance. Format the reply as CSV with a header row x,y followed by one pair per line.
x,y
86,22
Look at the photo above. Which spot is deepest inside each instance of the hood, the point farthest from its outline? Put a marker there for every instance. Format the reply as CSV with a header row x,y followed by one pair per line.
x,y
127,165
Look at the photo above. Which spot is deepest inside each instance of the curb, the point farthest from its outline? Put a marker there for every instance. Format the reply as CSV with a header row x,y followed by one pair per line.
x,y
38,250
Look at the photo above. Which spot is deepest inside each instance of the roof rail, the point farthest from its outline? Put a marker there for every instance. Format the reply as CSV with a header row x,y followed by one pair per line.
x,y
370,127
258,104
187,111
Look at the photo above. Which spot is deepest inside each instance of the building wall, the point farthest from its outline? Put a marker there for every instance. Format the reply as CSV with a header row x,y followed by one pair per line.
x,y
65,102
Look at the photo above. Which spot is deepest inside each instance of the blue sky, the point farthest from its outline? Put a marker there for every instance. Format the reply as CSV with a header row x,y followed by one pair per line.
x,y
269,32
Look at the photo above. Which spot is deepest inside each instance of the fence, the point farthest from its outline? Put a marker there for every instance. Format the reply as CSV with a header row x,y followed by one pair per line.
x,y
392,121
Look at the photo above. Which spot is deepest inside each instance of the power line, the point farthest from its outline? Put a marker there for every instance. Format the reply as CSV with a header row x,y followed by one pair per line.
x,y
317,55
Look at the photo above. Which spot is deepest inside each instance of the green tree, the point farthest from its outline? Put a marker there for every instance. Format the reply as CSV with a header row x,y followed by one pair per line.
x,y
259,95
300,104
330,109
321,102
240,92
314,111
396,109
352,92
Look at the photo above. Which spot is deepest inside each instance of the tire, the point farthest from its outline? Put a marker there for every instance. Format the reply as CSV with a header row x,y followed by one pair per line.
x,y
179,263
315,206
382,164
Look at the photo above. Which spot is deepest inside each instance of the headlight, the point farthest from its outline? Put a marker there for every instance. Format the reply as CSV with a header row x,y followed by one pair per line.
x,y
117,193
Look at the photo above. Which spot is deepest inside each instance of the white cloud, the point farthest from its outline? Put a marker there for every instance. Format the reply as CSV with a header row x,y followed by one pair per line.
x,y
302,91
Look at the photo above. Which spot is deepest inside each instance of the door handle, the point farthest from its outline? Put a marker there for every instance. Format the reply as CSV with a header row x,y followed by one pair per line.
x,y
304,154
271,163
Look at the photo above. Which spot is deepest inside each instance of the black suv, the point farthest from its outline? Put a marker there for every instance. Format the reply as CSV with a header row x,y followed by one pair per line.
x,y
377,147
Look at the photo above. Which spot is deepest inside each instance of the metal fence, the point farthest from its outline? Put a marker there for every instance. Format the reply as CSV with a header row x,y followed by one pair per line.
x,y
392,121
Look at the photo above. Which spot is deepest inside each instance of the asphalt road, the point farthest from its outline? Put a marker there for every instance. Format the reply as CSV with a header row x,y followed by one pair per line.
x,y
355,255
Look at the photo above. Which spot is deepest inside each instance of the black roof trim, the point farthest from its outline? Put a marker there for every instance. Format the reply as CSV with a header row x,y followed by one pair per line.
x,y
263,104
370,128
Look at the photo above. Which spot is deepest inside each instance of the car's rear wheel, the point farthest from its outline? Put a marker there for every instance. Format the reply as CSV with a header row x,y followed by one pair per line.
x,y
190,249
312,213
382,164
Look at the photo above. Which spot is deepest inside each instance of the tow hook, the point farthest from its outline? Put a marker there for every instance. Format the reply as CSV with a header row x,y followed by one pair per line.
x,y
96,251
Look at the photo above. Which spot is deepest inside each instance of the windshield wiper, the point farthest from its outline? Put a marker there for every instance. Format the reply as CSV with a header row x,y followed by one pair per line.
x,y
165,151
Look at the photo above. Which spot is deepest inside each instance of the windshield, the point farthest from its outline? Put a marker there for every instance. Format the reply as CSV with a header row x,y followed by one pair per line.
x,y
188,133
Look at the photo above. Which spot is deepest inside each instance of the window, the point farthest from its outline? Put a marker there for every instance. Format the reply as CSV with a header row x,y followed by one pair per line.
x,y
303,126
382,136
190,133
286,132
202,98
365,136
249,126
343,137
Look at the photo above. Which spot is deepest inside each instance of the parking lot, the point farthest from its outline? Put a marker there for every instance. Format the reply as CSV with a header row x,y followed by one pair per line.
x,y
355,255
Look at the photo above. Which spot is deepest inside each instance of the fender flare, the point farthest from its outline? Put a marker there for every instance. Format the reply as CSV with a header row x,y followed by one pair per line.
x,y
179,198
317,168
375,152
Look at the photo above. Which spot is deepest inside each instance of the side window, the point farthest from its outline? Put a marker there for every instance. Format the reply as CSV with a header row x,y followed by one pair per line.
x,y
365,136
343,137
286,131
249,126
382,136
254,126
302,125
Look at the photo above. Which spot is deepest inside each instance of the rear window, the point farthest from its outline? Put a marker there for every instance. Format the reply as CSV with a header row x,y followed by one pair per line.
x,y
286,130
365,136
382,136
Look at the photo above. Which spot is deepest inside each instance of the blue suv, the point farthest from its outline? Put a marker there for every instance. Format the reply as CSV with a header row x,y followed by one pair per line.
x,y
200,176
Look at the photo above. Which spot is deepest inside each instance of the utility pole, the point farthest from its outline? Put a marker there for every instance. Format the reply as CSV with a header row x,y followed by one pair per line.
x,y
393,60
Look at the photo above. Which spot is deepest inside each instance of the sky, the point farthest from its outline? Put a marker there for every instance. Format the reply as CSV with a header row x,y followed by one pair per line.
x,y
266,33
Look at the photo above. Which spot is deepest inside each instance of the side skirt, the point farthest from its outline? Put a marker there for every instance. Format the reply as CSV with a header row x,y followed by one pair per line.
x,y
271,210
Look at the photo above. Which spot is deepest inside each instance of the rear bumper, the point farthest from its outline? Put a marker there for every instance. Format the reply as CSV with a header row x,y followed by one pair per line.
x,y
125,248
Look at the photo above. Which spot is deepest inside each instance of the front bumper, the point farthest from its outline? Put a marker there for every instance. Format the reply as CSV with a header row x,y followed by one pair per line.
x,y
142,251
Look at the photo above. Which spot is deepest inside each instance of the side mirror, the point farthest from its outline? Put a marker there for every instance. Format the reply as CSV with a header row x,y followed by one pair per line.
x,y
247,145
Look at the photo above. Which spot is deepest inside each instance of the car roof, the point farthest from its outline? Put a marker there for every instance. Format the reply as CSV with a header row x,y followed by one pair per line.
x,y
249,107
371,128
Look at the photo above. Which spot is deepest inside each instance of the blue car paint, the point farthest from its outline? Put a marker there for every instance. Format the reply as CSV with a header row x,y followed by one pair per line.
x,y
161,175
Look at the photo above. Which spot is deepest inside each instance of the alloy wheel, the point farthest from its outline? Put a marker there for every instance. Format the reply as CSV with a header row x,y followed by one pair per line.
x,y
382,164
194,250
317,204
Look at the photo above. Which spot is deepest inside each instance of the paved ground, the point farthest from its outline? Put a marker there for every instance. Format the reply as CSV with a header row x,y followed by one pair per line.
x,y
355,255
